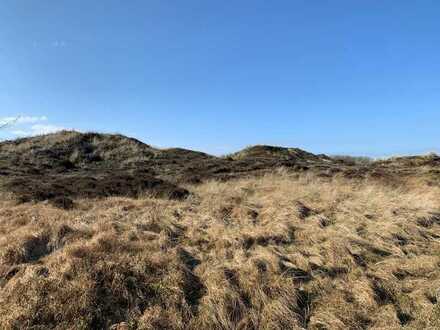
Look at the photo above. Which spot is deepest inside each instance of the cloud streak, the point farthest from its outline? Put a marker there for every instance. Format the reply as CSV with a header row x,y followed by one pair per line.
x,y
22,126
23,119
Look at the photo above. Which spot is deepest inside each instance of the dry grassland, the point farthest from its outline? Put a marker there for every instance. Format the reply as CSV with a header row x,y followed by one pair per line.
x,y
276,252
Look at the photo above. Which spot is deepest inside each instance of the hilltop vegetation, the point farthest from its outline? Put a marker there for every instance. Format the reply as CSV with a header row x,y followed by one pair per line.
x,y
105,232
98,165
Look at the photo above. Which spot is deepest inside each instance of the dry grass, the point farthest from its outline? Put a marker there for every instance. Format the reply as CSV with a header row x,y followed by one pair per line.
x,y
276,252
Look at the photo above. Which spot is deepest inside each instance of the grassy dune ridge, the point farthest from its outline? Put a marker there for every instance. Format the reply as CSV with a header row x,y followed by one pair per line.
x,y
280,251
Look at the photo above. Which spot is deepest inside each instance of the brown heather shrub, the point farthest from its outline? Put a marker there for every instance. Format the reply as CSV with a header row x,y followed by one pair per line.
x,y
276,252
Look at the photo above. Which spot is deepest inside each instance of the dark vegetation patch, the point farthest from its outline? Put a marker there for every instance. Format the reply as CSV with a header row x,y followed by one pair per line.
x,y
61,189
303,210
192,286
304,307
382,294
31,249
404,318
429,220
296,273
62,202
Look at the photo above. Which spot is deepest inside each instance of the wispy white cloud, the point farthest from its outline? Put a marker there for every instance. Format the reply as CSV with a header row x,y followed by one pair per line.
x,y
23,119
22,126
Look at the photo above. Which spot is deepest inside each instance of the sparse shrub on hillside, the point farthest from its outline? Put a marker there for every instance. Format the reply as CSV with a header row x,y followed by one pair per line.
x,y
353,160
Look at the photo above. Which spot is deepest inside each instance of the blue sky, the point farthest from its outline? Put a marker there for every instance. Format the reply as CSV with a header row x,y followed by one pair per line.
x,y
339,76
